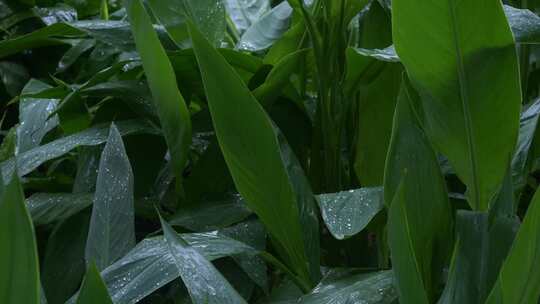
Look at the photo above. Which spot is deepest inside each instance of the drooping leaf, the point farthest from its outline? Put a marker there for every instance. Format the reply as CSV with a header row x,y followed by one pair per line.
x,y
28,161
349,212
112,227
19,278
420,225
171,107
150,265
93,289
518,281
268,29
286,204
452,74
203,281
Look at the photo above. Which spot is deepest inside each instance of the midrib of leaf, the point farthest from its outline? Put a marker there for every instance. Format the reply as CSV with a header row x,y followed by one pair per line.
x,y
465,103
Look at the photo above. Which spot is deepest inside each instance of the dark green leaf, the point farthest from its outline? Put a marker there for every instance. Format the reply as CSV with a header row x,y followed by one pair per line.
x,y
171,107
19,277
286,204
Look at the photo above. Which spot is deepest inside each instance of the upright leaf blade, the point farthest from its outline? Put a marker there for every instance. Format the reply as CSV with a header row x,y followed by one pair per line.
x,y
468,78
112,227
19,277
519,279
171,107
421,223
264,170
93,289
203,281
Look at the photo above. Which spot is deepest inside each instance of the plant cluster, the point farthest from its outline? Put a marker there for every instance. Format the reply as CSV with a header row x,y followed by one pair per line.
x,y
262,151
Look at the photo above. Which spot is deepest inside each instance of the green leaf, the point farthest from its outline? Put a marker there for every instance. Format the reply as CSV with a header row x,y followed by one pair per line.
x,y
209,15
34,118
403,244
28,161
43,37
171,107
19,278
93,289
203,281
349,286
112,226
245,13
349,212
470,65
285,204
262,34
144,265
46,208
519,280
420,222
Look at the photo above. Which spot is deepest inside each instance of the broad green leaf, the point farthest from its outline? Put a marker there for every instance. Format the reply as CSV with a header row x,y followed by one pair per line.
x,y
93,289
204,282
244,13
65,246
268,29
43,37
19,278
524,23
349,212
34,117
28,161
420,225
209,15
519,280
46,208
452,73
285,204
150,265
349,286
112,226
171,107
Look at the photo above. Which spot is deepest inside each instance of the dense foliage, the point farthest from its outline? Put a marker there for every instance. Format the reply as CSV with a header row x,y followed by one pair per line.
x,y
258,151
